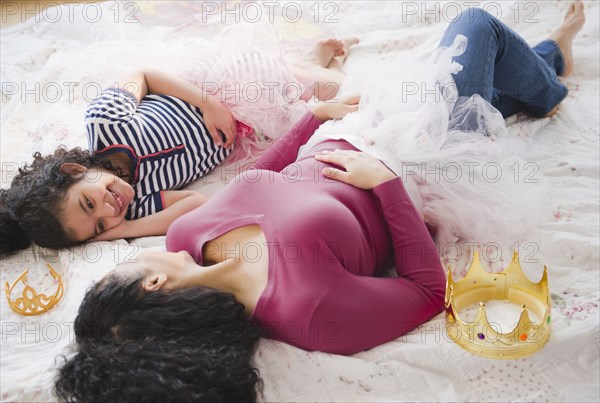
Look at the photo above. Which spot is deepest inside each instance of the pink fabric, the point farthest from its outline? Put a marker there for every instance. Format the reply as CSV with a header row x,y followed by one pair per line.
x,y
242,129
326,241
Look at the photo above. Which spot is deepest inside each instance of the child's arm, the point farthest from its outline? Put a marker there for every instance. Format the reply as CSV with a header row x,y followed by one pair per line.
x,y
177,203
216,115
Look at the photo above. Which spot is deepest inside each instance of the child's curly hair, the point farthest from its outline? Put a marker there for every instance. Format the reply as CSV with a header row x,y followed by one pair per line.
x,y
29,210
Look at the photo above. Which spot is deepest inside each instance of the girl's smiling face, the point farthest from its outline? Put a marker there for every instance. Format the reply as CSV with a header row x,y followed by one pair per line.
x,y
96,203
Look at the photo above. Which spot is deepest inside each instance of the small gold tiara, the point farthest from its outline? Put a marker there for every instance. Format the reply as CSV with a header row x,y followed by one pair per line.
x,y
31,303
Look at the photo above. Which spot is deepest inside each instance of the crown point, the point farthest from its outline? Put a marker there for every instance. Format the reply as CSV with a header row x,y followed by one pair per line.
x,y
544,279
515,256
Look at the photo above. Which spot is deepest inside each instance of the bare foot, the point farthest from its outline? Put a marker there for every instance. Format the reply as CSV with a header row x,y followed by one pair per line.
x,y
320,68
564,35
321,82
346,43
323,51
342,53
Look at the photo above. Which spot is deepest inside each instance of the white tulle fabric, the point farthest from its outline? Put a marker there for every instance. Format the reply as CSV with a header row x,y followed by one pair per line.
x,y
472,184
259,89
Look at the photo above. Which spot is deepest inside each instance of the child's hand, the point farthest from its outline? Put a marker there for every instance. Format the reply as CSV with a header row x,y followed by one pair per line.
x,y
218,118
336,110
358,169
117,232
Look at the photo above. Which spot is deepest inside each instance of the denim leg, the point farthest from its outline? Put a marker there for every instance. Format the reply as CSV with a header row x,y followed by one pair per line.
x,y
506,105
500,66
552,55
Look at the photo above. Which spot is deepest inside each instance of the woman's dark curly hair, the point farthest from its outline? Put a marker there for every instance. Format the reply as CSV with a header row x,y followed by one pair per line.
x,y
192,344
29,210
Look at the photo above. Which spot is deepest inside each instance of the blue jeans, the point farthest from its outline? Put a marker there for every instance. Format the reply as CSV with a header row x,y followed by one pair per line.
x,y
501,67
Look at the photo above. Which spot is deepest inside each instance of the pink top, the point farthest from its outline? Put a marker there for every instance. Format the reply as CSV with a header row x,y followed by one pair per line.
x,y
326,240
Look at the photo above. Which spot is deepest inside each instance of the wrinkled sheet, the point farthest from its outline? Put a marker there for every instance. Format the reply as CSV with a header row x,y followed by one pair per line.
x,y
422,365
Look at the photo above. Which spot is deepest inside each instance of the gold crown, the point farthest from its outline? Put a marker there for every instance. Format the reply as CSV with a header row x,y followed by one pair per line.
x,y
479,337
31,303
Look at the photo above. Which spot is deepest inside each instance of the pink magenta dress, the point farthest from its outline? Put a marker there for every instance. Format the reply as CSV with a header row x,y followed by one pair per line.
x,y
327,241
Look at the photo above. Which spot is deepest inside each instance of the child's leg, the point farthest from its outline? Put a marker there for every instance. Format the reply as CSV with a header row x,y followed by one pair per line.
x,y
320,68
322,83
500,66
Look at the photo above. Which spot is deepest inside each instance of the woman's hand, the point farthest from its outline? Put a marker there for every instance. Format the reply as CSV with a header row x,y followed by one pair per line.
x,y
336,110
358,169
218,118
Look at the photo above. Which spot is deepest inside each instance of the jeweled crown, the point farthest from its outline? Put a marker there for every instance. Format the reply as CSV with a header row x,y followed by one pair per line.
x,y
31,303
479,286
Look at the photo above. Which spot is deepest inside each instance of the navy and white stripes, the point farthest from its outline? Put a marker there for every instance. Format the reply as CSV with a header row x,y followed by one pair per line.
x,y
164,137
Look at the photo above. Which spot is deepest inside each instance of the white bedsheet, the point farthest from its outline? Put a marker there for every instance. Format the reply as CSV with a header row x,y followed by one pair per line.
x,y
423,365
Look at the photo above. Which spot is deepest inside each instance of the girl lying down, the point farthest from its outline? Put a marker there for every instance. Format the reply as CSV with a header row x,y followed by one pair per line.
x,y
147,140
292,248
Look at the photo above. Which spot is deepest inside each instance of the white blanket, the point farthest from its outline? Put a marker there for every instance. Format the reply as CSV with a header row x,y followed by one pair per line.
x,y
83,46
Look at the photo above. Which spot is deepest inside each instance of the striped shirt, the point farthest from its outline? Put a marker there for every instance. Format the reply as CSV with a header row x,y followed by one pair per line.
x,y
164,137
